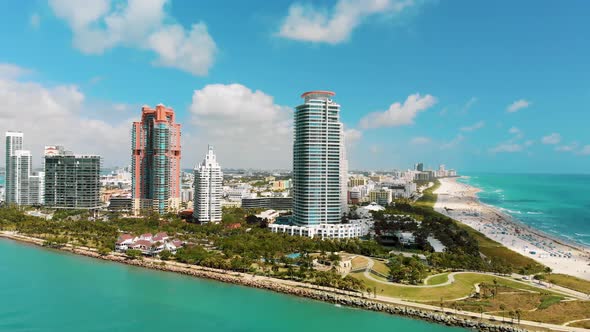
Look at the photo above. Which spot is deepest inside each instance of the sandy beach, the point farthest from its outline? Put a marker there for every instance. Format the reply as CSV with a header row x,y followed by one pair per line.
x,y
459,201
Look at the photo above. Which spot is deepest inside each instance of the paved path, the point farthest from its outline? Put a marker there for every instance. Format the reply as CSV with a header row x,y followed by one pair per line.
x,y
575,321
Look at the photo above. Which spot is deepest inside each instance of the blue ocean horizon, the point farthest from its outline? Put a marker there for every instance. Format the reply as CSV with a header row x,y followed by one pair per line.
x,y
556,204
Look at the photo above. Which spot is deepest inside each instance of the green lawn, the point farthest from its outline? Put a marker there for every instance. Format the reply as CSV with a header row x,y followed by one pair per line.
x,y
463,286
570,282
381,267
438,279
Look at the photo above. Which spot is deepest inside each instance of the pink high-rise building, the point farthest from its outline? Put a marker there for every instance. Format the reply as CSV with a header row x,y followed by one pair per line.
x,y
155,145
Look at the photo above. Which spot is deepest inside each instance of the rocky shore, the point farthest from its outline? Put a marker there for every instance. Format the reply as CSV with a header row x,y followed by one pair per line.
x,y
295,288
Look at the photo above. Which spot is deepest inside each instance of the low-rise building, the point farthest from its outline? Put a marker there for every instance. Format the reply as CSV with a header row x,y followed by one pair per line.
x,y
383,196
324,231
269,215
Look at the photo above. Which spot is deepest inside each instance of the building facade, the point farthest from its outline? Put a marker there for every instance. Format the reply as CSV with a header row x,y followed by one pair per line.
x,y
23,186
155,145
14,142
274,203
208,189
317,160
71,181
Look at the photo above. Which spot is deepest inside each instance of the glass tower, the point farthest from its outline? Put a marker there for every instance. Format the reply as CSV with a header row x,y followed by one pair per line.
x,y
318,158
155,145
14,142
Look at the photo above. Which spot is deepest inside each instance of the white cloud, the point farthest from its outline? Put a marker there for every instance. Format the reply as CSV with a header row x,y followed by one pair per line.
x,y
585,151
334,25
518,105
100,25
398,114
374,149
567,148
420,140
514,131
468,105
61,114
453,143
352,136
10,71
246,127
474,127
552,139
507,147
35,20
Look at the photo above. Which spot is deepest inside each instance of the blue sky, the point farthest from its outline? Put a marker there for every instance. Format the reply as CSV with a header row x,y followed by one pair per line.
x,y
480,86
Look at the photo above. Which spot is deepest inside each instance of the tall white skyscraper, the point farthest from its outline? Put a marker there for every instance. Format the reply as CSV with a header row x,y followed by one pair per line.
x,y
318,160
20,163
14,141
22,188
343,174
208,189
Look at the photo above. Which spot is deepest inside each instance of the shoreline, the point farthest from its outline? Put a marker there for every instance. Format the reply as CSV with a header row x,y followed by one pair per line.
x,y
561,239
464,204
325,294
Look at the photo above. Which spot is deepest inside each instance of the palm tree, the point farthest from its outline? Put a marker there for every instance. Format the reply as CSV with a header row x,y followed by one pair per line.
x,y
503,308
517,313
511,314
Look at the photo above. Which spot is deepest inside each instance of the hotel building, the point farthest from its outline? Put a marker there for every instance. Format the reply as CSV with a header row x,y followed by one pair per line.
x,y
155,145
318,158
208,189
23,187
71,181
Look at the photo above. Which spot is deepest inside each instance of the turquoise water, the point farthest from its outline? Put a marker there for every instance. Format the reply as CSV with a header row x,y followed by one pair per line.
x,y
555,204
43,290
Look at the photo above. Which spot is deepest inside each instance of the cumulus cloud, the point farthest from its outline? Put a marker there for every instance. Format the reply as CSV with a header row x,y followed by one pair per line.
x,y
453,143
246,127
585,151
60,115
352,136
420,140
508,147
100,25
474,127
551,139
567,148
10,71
334,25
468,105
35,20
518,105
399,114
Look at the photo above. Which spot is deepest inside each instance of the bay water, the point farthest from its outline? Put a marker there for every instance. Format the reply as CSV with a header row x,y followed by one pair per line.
x,y
46,290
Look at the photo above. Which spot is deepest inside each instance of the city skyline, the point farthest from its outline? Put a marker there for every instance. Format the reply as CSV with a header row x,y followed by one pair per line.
x,y
484,98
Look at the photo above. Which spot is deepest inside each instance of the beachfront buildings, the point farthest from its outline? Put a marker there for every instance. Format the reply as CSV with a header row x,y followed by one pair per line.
x,y
155,161
71,181
23,186
208,189
318,161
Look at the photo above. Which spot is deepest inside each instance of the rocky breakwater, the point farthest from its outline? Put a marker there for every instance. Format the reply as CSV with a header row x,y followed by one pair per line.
x,y
302,291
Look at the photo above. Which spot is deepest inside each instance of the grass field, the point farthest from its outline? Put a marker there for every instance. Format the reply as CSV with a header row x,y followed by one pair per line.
x,y
583,324
359,262
560,313
380,267
438,279
462,287
570,282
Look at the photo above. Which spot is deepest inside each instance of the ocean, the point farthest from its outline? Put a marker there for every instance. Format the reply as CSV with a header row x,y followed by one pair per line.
x,y
557,205
46,290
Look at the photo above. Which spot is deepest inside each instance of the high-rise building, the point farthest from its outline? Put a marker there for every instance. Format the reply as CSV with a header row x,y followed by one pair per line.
x,y
317,160
37,188
71,181
14,142
155,145
20,164
208,189
419,167
343,174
